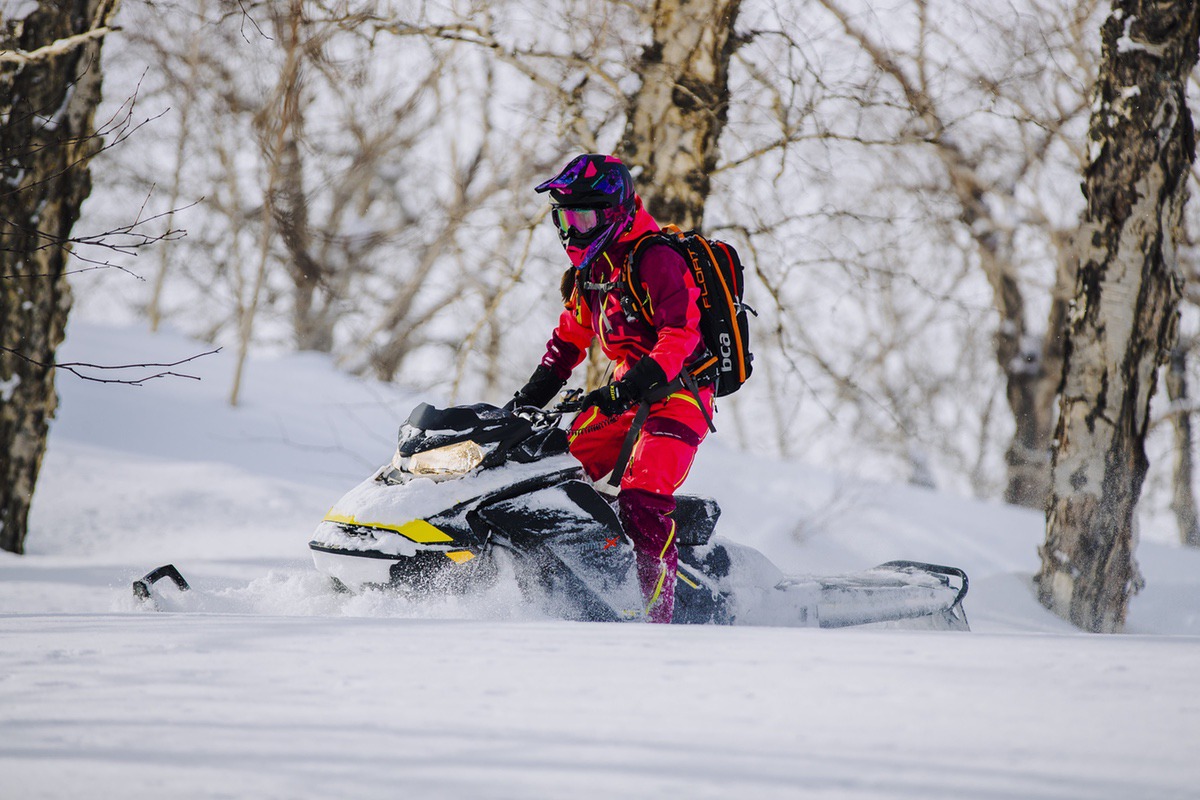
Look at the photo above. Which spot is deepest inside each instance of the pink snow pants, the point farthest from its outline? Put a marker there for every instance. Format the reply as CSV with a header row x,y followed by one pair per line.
x,y
659,464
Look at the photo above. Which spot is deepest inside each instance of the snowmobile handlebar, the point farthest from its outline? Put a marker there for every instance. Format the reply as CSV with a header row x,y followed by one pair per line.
x,y
571,403
564,408
549,417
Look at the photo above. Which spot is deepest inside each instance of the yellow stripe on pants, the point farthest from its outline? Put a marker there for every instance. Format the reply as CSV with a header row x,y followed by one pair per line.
x,y
662,572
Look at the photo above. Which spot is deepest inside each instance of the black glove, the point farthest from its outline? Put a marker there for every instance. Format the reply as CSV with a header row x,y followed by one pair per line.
x,y
619,396
543,384
611,398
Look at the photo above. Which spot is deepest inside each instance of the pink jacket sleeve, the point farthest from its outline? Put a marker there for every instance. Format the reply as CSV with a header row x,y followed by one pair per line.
x,y
568,344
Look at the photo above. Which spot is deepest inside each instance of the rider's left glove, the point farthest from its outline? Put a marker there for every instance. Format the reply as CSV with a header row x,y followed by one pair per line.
x,y
543,384
619,396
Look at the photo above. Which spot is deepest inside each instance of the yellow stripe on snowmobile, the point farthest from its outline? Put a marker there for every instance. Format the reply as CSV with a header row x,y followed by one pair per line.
x,y
417,530
687,580
460,556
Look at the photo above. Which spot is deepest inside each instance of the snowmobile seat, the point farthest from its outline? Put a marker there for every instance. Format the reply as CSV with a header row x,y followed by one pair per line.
x,y
695,519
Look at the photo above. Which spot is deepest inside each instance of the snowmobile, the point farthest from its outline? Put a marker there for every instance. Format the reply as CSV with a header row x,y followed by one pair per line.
x,y
477,492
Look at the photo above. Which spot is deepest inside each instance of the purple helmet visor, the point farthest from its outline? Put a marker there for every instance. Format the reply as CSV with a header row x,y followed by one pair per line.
x,y
591,178
564,179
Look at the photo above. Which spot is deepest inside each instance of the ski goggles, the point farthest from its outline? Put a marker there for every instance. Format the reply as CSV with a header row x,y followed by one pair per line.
x,y
574,221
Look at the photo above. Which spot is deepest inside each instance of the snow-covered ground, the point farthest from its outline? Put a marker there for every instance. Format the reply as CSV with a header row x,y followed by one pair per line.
x,y
264,683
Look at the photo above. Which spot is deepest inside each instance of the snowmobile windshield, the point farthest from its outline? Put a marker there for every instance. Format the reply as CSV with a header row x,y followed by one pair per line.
x,y
429,428
448,443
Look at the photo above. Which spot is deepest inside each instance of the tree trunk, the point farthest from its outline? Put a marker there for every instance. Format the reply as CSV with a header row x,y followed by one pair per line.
x,y
272,122
187,103
311,321
1032,373
1183,497
47,137
1123,323
676,116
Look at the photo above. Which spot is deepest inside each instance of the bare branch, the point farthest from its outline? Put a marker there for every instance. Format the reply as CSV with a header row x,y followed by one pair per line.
x,y
468,33
74,368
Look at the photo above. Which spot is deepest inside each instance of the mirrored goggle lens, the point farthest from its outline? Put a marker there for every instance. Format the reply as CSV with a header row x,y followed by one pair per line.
x,y
581,220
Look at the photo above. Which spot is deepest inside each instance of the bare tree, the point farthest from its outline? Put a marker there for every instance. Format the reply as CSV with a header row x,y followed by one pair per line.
x,y
276,123
893,174
675,117
1179,382
1180,377
1183,493
988,201
1123,321
572,70
390,226
186,79
362,218
49,88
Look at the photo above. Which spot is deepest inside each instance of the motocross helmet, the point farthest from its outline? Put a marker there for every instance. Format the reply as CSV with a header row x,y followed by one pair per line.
x,y
592,203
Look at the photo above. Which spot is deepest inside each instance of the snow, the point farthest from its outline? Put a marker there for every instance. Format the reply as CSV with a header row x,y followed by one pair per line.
x,y
9,387
1126,44
17,9
263,682
422,497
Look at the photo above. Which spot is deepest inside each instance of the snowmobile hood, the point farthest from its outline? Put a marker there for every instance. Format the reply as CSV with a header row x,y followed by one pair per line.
x,y
394,507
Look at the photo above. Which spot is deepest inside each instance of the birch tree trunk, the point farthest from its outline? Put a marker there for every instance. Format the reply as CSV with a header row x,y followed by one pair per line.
x,y
1032,368
676,117
1183,497
1123,323
49,89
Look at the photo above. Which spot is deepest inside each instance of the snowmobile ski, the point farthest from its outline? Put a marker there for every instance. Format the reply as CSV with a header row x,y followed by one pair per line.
x,y
143,585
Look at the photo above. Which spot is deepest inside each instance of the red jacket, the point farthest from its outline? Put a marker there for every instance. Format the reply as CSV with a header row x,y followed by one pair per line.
x,y
673,340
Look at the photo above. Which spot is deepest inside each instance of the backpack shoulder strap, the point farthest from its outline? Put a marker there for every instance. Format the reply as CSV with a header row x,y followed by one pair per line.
x,y
669,235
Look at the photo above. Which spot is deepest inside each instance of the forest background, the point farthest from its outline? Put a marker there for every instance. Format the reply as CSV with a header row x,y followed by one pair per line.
x,y
903,180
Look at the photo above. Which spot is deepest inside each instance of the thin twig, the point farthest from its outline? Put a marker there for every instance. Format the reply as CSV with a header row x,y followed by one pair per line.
x,y
74,368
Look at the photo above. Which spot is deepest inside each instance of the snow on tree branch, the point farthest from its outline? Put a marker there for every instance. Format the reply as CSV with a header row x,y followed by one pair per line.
x,y
55,48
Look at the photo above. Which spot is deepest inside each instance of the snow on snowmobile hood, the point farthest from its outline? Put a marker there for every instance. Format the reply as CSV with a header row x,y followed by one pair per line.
x,y
390,507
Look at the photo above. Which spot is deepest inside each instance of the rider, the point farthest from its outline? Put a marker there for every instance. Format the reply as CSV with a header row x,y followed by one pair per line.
x,y
599,218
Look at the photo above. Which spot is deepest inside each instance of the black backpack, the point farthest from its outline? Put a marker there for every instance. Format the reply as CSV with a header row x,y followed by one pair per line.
x,y
724,324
